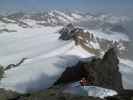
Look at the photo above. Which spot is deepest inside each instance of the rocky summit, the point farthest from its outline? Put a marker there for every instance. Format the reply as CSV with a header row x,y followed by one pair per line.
x,y
91,42
100,72
69,32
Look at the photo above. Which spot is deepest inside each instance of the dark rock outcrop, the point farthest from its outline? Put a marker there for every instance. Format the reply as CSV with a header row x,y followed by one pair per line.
x,y
107,71
55,93
50,94
1,72
68,32
15,65
101,72
8,95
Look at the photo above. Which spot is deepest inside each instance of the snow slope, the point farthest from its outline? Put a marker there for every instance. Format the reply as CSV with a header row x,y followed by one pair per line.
x,y
126,68
47,57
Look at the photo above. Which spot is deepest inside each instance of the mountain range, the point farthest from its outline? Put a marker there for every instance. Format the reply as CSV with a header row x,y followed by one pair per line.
x,y
51,41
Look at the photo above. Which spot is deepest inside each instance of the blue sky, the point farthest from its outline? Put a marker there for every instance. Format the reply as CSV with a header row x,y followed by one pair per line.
x,y
86,5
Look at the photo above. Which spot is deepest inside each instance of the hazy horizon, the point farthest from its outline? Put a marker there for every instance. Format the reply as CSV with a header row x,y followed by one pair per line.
x,y
111,6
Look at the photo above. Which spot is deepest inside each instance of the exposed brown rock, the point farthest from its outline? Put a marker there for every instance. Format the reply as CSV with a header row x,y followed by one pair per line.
x,y
101,72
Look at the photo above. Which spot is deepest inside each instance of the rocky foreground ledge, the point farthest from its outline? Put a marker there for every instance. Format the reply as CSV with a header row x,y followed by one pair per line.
x,y
101,72
54,93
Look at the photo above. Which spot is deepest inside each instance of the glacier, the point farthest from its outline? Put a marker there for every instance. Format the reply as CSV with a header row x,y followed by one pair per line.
x,y
47,56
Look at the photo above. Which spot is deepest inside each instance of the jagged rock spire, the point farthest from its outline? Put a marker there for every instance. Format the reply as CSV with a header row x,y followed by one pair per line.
x,y
101,72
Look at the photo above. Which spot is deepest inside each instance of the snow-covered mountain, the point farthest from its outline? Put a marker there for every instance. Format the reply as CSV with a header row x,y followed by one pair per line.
x,y
35,37
96,41
55,17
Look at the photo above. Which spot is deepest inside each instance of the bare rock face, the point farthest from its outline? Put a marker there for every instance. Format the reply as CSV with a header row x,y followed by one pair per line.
x,y
107,71
86,39
68,32
100,72
8,95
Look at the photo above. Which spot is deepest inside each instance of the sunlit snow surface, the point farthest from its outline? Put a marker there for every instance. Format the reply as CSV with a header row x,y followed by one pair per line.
x,y
126,68
111,36
77,89
47,57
